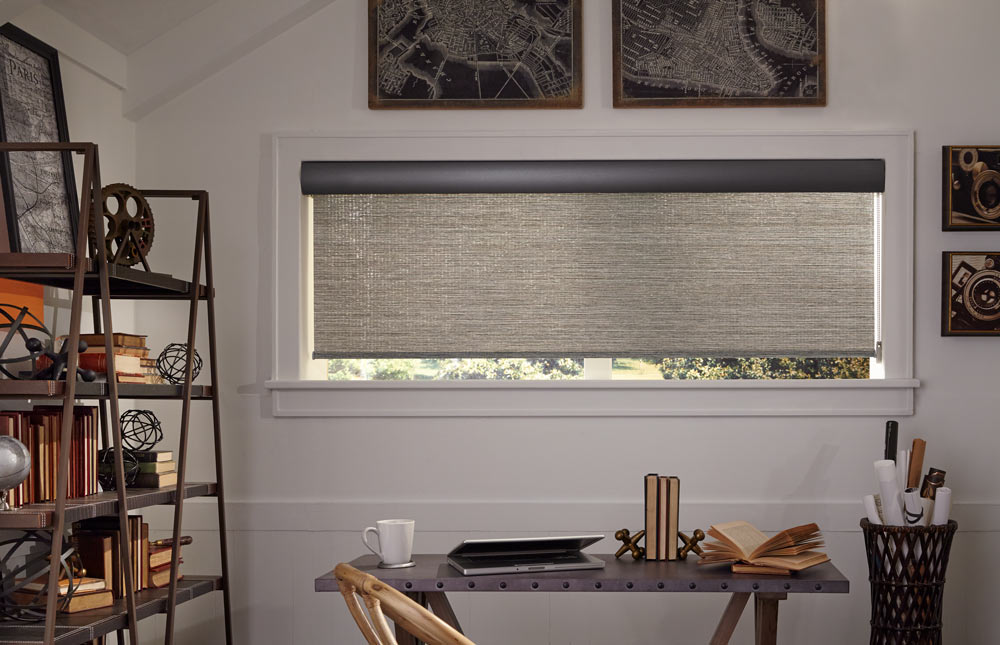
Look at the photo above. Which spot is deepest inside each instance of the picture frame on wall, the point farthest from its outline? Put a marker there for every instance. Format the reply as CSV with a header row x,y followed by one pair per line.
x,y
719,53
971,190
475,54
971,294
39,190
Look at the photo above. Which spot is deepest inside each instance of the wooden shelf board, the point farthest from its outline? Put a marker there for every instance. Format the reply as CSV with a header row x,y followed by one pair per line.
x,y
11,389
56,270
39,516
85,626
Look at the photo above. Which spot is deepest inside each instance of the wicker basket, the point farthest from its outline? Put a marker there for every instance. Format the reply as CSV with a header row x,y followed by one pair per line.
x,y
906,566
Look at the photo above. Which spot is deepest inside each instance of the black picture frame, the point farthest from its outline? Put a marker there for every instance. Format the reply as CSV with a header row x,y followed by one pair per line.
x,y
970,298
63,191
970,194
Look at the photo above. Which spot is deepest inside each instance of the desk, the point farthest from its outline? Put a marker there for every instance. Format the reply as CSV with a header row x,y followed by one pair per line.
x,y
430,580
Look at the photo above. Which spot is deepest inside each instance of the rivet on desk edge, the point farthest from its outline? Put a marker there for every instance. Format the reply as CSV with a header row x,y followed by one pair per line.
x,y
692,585
756,586
725,585
503,585
409,585
565,585
628,585
597,585
788,586
659,585
534,585
818,587
472,585
439,585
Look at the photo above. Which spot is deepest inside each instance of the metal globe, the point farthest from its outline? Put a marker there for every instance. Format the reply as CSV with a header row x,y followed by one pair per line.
x,y
15,464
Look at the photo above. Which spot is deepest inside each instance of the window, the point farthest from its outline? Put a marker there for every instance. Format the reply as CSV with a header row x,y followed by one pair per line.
x,y
420,282
850,333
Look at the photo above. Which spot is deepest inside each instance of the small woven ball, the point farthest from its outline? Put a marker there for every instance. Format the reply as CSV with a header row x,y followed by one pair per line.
x,y
172,363
106,475
141,430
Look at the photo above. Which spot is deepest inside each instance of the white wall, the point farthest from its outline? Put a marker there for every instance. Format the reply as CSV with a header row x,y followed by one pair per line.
x,y
301,490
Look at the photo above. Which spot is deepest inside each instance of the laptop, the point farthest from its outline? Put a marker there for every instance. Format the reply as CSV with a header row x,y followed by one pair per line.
x,y
520,555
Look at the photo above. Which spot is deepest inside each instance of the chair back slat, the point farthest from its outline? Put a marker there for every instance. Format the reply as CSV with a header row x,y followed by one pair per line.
x,y
382,600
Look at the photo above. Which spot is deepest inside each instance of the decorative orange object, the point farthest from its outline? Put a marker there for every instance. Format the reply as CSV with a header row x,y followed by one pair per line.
x,y
24,294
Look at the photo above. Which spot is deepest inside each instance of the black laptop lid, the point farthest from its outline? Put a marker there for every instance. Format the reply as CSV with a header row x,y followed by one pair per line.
x,y
524,546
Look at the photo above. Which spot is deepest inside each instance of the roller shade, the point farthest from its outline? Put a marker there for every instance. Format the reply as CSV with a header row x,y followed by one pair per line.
x,y
552,274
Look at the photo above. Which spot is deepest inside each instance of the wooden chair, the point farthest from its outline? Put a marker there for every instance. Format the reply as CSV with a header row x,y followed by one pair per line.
x,y
383,601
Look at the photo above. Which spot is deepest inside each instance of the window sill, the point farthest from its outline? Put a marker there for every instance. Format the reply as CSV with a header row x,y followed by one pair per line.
x,y
883,397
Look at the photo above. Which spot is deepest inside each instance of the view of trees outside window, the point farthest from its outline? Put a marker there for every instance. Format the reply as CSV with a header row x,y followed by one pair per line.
x,y
401,369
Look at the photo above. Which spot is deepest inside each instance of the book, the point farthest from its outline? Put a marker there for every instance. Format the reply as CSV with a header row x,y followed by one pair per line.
x,y
155,480
98,362
117,339
108,527
82,585
673,515
95,555
159,556
741,543
153,467
662,498
757,569
144,456
160,576
651,506
142,353
78,602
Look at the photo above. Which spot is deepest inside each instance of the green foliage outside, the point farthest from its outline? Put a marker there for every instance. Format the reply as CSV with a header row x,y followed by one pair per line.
x,y
763,368
622,368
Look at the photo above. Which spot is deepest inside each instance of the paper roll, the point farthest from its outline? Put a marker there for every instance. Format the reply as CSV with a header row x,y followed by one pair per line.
x,y
902,469
885,471
942,506
871,510
913,507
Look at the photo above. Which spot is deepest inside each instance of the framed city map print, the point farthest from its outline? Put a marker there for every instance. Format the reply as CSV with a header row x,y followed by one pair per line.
x,y
474,54
717,53
39,194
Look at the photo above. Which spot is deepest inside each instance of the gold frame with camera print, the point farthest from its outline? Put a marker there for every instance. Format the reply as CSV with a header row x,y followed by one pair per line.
x,y
970,303
971,191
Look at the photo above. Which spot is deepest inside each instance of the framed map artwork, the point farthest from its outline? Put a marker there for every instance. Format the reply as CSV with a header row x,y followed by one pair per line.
x,y
718,53
39,194
474,54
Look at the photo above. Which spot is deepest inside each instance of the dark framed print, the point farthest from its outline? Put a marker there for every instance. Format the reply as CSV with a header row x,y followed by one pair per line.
x,y
971,191
39,192
474,54
719,53
971,297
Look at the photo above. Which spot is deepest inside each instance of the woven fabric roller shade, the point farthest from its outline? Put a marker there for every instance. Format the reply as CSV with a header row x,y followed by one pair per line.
x,y
636,274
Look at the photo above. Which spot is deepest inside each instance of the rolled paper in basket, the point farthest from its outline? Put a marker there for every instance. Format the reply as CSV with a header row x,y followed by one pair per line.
x,y
942,506
902,468
871,510
913,508
885,470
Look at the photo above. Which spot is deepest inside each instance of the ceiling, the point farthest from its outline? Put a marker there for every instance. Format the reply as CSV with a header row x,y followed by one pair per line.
x,y
127,25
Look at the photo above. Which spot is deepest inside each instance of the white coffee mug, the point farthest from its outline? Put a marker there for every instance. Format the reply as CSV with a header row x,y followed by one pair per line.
x,y
395,540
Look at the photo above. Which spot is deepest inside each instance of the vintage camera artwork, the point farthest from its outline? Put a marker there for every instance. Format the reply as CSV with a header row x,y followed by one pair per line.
x,y
971,188
971,294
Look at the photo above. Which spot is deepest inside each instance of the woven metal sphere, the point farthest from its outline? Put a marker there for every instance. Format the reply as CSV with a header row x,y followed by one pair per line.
x,y
172,363
141,430
106,475
27,555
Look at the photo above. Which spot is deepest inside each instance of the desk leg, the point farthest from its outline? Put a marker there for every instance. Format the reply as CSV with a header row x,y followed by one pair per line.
x,y
766,617
438,602
727,624
404,637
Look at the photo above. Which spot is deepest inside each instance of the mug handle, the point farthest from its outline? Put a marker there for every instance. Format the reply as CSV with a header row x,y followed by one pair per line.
x,y
364,539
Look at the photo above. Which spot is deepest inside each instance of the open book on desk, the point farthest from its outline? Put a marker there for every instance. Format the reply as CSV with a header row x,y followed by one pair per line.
x,y
750,551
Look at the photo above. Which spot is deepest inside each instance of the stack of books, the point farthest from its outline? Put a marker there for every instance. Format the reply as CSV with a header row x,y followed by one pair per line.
x,y
97,541
157,468
88,593
132,361
40,431
750,551
662,495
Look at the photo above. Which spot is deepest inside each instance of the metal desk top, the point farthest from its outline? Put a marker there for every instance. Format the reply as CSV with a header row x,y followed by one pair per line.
x,y
432,573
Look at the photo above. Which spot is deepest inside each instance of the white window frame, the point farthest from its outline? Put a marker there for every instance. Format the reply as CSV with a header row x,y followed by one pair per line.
x,y
297,388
